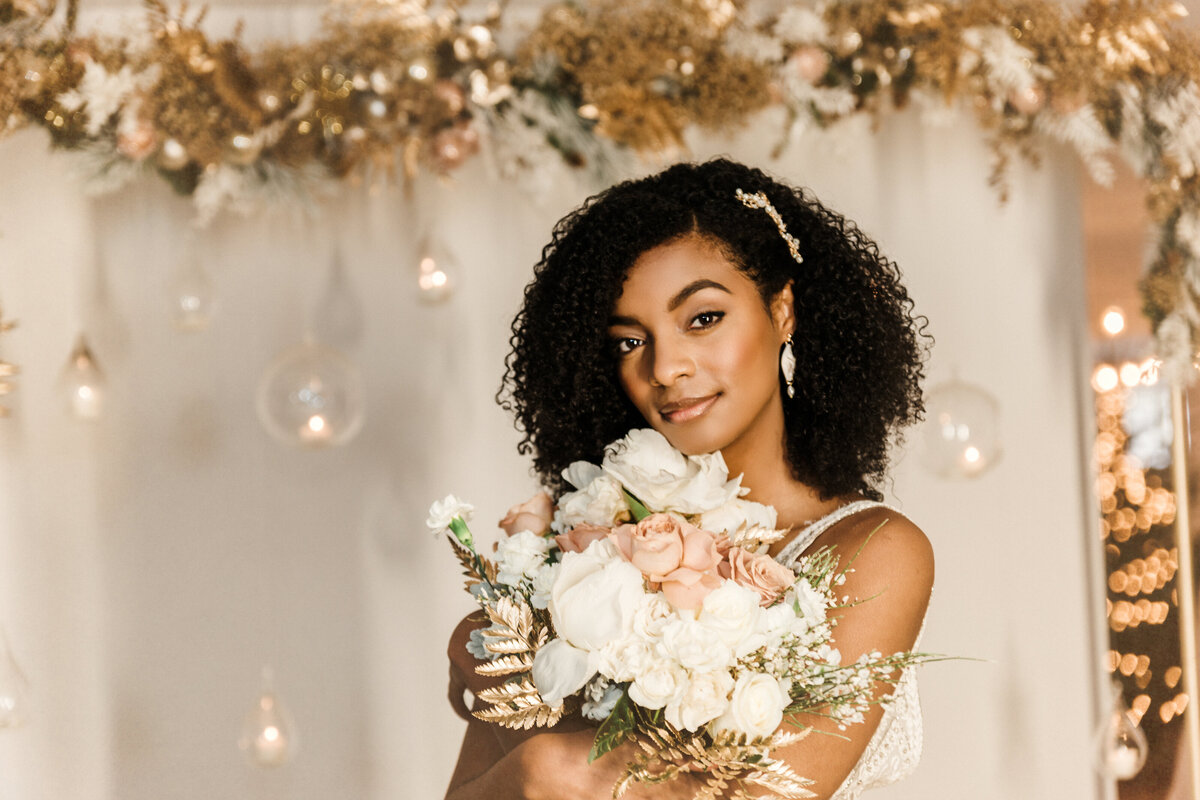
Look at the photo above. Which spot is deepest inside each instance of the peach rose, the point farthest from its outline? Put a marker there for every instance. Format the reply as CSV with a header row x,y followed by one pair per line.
x,y
622,537
535,515
759,572
578,538
657,545
686,588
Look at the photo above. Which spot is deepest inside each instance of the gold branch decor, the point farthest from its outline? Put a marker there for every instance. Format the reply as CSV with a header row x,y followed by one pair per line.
x,y
397,86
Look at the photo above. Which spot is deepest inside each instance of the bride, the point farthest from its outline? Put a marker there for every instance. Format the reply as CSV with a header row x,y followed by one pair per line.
x,y
729,312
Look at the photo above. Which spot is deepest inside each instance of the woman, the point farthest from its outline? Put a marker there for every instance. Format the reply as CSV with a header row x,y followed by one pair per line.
x,y
728,312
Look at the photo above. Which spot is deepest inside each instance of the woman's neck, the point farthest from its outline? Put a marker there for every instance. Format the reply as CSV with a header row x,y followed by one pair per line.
x,y
770,480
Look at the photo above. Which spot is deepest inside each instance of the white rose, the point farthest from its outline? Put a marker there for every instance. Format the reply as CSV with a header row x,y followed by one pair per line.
x,y
756,707
543,582
444,510
663,478
623,659
705,698
662,682
560,670
600,502
594,596
737,515
520,556
693,646
732,612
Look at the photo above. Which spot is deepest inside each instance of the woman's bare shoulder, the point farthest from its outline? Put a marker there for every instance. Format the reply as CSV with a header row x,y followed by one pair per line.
x,y
889,558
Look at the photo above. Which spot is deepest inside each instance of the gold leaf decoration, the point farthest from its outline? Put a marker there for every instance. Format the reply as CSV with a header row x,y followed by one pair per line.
x,y
518,705
505,665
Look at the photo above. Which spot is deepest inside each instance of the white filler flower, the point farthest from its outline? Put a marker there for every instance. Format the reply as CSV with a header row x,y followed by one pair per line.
x,y
446,509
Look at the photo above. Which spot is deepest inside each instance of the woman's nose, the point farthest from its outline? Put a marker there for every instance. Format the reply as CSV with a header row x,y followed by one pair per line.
x,y
671,361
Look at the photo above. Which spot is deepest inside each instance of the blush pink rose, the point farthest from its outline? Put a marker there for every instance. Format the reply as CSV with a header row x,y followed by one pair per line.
x,y
578,538
622,537
759,572
535,515
686,588
658,545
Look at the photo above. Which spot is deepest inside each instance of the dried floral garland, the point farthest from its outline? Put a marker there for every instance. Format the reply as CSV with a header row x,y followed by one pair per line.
x,y
398,85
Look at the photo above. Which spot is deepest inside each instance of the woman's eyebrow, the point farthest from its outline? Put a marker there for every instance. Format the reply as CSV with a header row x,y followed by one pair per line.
x,y
691,289
677,300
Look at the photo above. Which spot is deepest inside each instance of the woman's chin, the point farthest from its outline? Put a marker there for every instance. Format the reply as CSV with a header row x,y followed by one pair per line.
x,y
690,439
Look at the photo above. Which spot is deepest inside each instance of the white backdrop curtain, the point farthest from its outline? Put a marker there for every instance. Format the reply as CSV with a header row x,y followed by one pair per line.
x,y
153,562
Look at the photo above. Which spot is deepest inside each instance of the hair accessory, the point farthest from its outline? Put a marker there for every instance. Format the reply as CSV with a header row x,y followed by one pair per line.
x,y
787,365
759,200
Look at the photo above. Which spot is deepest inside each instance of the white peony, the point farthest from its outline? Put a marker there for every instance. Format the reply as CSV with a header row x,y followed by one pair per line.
x,y
756,707
444,510
581,473
694,646
732,613
599,502
737,515
663,478
594,596
560,670
704,699
520,556
662,682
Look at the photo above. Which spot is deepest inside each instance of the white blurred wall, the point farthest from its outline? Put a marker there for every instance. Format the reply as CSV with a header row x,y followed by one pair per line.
x,y
152,563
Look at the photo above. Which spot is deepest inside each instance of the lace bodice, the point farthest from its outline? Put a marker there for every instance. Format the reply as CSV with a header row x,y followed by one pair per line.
x,y
895,747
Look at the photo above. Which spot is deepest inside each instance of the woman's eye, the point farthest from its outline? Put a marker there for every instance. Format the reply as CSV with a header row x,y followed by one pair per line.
x,y
626,345
706,319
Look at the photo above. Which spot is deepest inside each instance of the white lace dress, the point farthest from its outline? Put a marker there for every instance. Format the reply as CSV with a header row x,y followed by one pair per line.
x,y
895,747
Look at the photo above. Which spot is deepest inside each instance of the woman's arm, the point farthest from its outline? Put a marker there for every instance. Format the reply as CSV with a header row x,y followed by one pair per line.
x,y
891,577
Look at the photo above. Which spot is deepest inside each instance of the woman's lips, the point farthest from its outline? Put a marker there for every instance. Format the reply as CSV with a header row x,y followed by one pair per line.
x,y
688,409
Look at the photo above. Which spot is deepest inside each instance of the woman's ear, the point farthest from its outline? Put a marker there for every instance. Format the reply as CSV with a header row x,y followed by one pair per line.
x,y
783,310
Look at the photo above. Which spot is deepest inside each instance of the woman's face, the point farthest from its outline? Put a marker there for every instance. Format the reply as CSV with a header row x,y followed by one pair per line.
x,y
698,352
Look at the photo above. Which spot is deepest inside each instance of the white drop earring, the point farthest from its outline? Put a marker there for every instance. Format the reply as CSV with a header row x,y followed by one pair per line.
x,y
787,365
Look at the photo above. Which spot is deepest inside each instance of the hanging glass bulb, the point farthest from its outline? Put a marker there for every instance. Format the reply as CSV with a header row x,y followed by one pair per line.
x,y
961,430
435,268
1121,744
311,396
268,733
14,688
83,382
338,318
193,300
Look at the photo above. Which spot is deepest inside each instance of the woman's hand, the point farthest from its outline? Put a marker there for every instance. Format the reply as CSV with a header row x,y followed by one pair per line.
x,y
553,765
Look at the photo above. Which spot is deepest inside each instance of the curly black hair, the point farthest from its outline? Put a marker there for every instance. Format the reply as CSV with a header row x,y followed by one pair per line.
x,y
860,350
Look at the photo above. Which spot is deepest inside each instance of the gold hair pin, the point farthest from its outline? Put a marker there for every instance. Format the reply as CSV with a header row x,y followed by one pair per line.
x,y
759,200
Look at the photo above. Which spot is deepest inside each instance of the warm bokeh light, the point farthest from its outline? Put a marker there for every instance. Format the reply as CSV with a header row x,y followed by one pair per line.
x,y
1112,320
1131,373
1105,378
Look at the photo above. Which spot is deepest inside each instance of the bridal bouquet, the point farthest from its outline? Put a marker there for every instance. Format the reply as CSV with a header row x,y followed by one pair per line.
x,y
647,602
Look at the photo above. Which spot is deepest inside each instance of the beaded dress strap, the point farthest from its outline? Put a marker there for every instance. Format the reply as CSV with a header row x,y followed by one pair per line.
x,y
810,532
